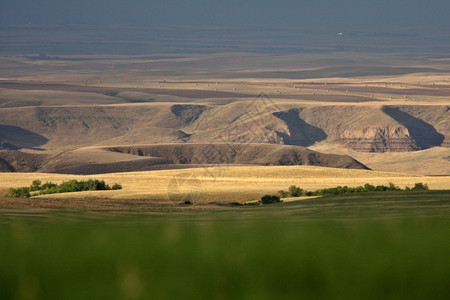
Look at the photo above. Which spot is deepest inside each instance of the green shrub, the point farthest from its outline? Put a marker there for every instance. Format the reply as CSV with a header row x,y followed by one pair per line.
x,y
419,186
381,188
268,199
22,192
295,191
366,188
358,189
117,186
369,188
393,187
100,185
65,187
48,185
36,185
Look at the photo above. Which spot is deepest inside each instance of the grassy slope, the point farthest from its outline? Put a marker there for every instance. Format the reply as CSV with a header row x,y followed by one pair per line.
x,y
433,161
229,183
369,246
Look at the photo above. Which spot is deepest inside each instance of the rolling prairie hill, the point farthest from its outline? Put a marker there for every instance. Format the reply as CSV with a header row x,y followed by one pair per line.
x,y
234,127
366,128
96,160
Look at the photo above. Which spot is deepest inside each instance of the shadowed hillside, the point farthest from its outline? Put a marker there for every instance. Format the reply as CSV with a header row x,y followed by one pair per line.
x,y
15,138
241,154
436,116
17,161
423,134
362,128
300,132
382,128
169,156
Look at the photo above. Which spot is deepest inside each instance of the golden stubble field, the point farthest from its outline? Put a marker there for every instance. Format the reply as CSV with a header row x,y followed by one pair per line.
x,y
222,184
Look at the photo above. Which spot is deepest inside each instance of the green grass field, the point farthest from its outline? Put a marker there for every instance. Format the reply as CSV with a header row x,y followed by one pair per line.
x,y
370,246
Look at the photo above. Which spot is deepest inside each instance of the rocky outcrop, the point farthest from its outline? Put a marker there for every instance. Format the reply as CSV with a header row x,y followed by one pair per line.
x,y
388,139
379,129
422,134
437,116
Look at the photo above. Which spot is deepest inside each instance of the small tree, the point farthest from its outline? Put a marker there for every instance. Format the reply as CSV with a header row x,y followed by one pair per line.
x,y
419,186
35,185
268,199
393,187
369,188
295,191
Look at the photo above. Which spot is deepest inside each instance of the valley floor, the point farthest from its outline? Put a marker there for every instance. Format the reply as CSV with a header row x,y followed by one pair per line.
x,y
165,189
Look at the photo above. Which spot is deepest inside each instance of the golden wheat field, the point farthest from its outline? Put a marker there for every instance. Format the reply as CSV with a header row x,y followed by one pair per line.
x,y
234,183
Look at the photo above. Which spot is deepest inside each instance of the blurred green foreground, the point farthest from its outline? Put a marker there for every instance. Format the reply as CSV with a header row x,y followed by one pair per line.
x,y
241,253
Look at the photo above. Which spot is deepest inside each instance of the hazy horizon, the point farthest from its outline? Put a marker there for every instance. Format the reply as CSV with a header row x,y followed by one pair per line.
x,y
344,15
174,26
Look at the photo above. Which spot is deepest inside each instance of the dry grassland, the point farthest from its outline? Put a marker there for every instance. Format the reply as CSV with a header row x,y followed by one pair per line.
x,y
433,161
217,76
223,184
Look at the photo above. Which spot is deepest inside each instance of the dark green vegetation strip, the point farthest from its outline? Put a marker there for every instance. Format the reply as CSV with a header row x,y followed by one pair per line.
x,y
353,246
37,188
359,205
295,191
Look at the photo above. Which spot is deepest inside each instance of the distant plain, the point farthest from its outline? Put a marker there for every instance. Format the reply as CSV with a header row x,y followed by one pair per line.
x,y
359,95
193,122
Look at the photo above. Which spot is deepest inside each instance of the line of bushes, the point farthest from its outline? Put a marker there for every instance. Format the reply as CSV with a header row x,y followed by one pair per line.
x,y
37,188
295,191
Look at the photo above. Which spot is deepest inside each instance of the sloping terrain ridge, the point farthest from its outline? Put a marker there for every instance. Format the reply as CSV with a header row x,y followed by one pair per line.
x,y
259,154
169,156
368,128
384,128
17,161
